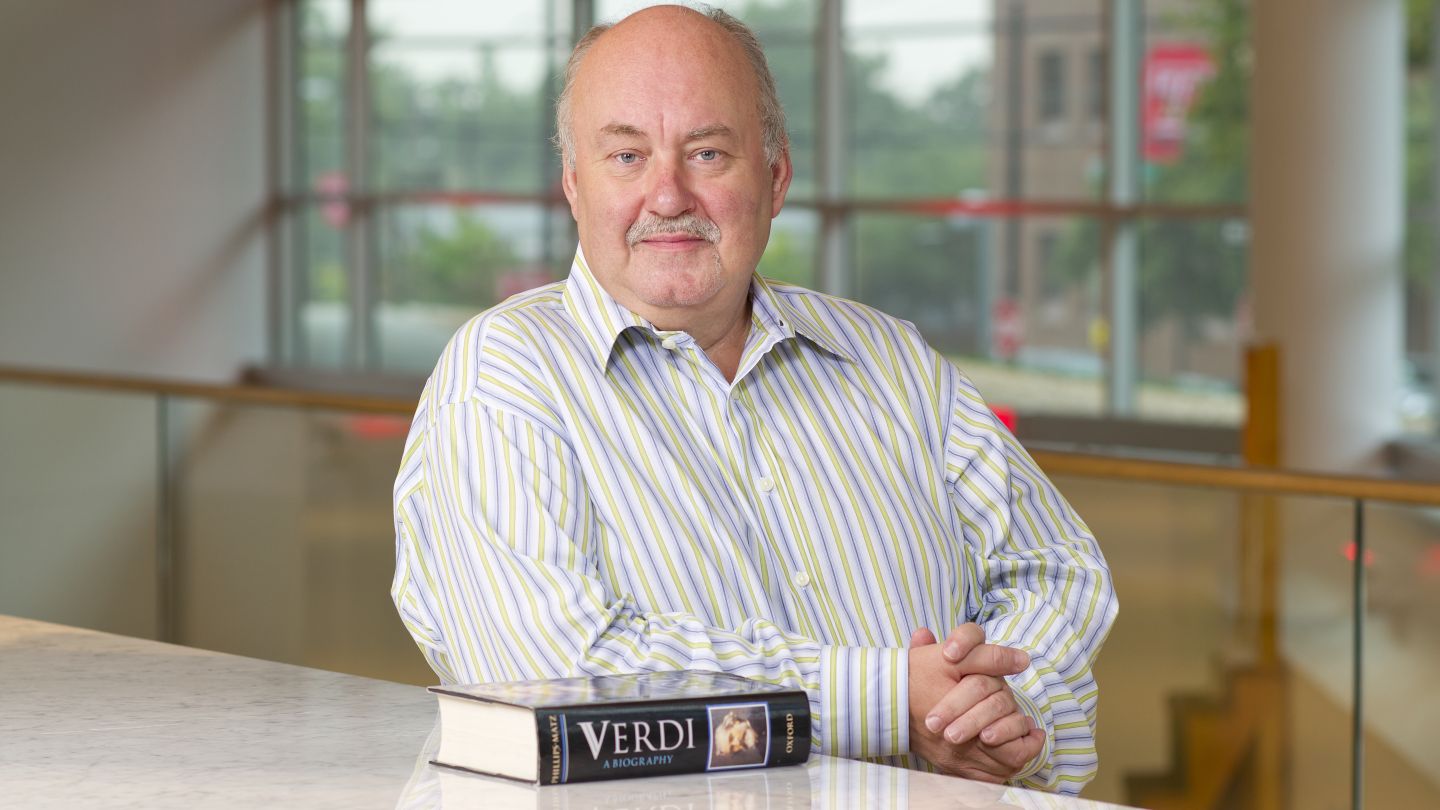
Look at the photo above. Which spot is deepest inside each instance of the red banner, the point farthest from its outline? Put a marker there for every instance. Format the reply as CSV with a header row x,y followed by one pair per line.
x,y
1173,74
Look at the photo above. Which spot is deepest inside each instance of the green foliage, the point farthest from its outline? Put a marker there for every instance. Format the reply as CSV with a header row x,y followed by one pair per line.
x,y
457,265
1419,32
1191,269
786,260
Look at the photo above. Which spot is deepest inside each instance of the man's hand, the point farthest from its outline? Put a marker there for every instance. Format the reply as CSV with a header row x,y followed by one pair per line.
x,y
963,717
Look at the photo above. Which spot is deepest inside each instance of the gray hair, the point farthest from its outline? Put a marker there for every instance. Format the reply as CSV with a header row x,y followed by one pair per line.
x,y
772,115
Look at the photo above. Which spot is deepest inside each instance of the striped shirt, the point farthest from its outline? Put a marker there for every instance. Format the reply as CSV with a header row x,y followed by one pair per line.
x,y
582,493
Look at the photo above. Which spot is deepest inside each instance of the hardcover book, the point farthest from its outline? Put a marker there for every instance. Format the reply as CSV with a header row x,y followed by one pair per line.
x,y
615,726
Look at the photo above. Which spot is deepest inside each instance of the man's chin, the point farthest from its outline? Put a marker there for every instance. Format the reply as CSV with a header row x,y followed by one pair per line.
x,y
677,288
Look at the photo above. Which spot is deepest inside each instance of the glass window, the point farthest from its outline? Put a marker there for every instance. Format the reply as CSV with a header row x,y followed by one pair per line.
x,y
441,264
790,254
973,198
1041,149
1195,100
1031,341
1052,86
1096,85
1194,319
319,95
917,98
1421,382
460,95
323,286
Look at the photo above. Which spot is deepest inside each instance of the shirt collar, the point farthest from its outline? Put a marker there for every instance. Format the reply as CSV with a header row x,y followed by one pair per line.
x,y
780,314
602,319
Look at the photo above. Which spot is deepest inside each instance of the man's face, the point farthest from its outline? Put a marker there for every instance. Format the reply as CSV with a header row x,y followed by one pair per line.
x,y
670,189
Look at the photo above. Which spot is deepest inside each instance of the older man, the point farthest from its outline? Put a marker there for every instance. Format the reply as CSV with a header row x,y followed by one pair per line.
x,y
668,462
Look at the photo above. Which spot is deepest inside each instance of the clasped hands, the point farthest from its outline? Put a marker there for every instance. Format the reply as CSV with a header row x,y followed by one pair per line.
x,y
964,718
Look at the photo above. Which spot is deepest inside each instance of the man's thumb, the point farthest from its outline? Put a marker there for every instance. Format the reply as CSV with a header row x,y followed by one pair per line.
x,y
922,637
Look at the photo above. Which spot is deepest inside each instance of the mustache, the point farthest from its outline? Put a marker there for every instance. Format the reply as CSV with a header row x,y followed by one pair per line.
x,y
688,224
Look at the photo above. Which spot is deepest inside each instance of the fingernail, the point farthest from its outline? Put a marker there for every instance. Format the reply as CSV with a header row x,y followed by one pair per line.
x,y
1022,659
952,651
988,736
952,736
933,723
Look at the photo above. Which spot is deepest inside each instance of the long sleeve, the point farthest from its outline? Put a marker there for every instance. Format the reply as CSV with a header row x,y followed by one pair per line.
x,y
1037,582
499,577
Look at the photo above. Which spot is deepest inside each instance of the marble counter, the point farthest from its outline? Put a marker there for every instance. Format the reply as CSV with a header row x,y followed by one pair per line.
x,y
97,720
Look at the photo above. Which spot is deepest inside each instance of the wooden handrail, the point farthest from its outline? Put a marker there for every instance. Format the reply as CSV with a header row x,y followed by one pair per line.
x,y
1245,479
241,394
1263,481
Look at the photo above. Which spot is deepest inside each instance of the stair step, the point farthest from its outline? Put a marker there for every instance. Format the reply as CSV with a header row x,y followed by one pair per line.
x,y
1211,742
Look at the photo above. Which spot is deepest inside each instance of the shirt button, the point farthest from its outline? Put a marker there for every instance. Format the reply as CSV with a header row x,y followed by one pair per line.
x,y
670,342
765,484
801,579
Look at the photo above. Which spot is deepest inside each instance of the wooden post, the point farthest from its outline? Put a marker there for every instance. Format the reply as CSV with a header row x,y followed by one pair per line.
x,y
1260,571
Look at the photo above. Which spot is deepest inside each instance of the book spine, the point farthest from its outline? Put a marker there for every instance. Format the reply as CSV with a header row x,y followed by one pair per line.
x,y
665,737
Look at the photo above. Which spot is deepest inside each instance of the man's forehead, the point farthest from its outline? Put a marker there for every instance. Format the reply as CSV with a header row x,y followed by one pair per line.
x,y
622,129
669,65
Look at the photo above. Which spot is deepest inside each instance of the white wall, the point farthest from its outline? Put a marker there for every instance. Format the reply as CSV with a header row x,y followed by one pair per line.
x,y
132,171
132,179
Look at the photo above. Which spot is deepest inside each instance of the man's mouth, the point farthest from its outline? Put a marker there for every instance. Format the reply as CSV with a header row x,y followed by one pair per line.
x,y
672,233
674,241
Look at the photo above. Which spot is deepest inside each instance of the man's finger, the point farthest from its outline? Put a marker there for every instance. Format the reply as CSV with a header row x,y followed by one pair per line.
x,y
1016,753
1012,726
993,659
922,637
961,641
980,716
959,699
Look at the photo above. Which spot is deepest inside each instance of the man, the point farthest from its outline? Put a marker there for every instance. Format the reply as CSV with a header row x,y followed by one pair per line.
x,y
667,462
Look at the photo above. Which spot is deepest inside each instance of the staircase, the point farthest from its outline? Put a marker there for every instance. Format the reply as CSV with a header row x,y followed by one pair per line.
x,y
1226,752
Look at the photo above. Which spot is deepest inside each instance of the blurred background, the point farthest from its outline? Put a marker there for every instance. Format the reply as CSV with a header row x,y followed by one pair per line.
x,y
1185,247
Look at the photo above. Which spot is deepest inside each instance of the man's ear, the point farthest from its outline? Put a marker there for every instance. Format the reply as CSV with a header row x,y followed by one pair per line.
x,y
568,183
780,176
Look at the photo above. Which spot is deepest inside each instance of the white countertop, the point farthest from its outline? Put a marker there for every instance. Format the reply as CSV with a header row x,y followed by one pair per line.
x,y
97,720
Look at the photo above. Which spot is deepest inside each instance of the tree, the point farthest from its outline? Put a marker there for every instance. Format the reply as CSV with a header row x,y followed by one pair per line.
x,y
1190,270
457,264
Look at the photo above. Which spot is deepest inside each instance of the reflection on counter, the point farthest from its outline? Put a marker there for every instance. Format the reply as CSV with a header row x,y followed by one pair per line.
x,y
824,783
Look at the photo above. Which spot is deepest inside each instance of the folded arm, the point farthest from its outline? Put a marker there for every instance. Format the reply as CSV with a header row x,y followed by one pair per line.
x,y
498,577
1038,583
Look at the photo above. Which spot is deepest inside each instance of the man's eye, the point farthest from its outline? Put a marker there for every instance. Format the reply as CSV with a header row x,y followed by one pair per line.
x,y
708,154
627,158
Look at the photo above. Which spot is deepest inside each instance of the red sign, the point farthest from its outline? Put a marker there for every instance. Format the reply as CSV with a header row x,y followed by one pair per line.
x,y
1007,328
520,279
335,210
1173,74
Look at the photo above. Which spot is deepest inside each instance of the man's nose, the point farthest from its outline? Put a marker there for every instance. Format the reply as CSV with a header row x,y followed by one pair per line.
x,y
668,193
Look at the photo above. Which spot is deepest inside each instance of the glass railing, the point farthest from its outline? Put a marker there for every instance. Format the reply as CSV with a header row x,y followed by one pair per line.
x,y
1276,644
229,518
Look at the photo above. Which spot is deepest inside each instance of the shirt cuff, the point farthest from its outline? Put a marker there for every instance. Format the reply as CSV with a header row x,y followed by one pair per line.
x,y
863,703
1028,700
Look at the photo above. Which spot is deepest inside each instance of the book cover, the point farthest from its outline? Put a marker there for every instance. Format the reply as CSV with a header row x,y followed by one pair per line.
x,y
615,726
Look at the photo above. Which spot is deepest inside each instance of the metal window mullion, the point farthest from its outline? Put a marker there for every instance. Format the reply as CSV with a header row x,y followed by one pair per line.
x,y
1014,148
834,276
165,524
277,72
1435,220
1124,171
1357,663
296,283
360,335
